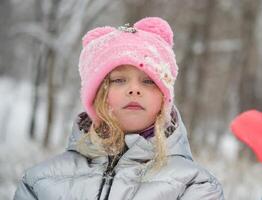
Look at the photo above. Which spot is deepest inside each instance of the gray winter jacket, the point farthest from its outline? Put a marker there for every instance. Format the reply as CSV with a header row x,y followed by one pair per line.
x,y
73,176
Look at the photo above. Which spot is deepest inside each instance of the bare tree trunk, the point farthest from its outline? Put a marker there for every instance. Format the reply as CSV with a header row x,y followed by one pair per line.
x,y
198,104
36,73
183,95
135,10
247,96
50,95
246,89
6,50
51,27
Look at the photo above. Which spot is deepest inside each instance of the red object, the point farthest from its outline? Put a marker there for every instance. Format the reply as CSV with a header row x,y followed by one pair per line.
x,y
248,128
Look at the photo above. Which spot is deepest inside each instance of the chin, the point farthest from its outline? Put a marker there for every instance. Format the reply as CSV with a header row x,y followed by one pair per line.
x,y
134,123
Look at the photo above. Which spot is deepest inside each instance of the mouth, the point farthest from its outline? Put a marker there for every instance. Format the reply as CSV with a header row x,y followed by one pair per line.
x,y
134,106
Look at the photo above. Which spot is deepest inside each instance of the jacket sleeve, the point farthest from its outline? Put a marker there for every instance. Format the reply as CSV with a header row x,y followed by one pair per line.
x,y
24,191
204,191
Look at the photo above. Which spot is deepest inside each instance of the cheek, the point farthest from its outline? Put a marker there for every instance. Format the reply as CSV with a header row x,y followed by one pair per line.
x,y
156,100
113,98
110,99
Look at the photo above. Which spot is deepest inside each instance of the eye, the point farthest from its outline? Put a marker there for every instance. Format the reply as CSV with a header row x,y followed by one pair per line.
x,y
149,81
117,80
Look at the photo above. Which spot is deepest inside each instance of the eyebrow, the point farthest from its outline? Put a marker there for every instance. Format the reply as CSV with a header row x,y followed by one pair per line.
x,y
120,70
114,72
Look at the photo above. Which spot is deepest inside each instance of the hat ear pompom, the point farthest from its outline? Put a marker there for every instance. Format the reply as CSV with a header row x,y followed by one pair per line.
x,y
96,33
158,26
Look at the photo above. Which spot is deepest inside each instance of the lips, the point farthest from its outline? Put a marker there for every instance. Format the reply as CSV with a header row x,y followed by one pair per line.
x,y
134,106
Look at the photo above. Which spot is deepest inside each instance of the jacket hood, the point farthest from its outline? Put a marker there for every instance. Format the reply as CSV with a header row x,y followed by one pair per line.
x,y
139,148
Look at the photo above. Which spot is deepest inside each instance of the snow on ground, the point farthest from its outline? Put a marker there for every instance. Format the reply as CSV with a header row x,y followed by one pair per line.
x,y
241,179
17,151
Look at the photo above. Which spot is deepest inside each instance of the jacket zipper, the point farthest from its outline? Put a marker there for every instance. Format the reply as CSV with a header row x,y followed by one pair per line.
x,y
107,179
109,174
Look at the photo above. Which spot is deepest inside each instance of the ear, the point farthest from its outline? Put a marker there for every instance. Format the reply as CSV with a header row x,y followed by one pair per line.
x,y
96,33
158,26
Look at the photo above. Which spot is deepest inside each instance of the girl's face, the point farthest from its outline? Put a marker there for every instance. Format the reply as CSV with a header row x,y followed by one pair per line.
x,y
135,100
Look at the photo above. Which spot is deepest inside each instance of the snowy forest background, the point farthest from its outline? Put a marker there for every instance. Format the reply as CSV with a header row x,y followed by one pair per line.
x,y
218,44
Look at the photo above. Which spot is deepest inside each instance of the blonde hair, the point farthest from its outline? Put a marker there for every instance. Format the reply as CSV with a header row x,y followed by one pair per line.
x,y
112,143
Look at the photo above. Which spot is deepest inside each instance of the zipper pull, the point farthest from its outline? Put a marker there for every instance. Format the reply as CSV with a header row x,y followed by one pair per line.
x,y
108,179
109,176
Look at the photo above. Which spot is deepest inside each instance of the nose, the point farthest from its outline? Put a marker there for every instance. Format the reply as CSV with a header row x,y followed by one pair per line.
x,y
134,89
131,92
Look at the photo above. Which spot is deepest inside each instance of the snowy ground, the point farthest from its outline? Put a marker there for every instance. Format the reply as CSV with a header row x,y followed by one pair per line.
x,y
241,180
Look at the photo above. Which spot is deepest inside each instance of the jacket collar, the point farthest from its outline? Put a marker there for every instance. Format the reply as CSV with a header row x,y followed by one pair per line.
x,y
139,148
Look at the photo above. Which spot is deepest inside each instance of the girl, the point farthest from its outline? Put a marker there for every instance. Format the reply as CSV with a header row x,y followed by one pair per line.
x,y
130,143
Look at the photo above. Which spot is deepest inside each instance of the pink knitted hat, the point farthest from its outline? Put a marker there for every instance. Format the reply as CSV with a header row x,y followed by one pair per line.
x,y
147,45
